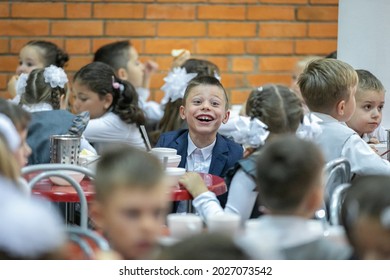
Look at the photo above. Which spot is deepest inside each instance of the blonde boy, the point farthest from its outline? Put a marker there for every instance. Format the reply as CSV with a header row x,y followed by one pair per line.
x,y
131,201
328,87
370,100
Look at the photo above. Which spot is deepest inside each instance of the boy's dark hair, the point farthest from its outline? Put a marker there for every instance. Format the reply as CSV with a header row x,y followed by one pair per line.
x,y
99,77
332,55
325,82
276,106
126,167
51,53
367,81
201,66
286,169
115,54
206,81
19,117
368,196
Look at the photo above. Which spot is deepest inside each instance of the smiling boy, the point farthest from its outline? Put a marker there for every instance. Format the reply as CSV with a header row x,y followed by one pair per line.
x,y
202,148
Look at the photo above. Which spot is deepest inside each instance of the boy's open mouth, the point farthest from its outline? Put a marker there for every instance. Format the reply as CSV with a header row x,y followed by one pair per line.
x,y
204,118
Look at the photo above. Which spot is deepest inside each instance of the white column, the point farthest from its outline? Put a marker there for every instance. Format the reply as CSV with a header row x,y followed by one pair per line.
x,y
364,40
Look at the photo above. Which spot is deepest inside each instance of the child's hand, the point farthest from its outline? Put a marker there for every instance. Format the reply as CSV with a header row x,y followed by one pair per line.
x,y
150,67
373,140
374,149
11,87
194,183
179,60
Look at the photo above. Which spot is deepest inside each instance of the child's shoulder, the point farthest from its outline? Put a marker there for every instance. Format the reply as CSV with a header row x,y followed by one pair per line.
x,y
232,146
174,133
169,138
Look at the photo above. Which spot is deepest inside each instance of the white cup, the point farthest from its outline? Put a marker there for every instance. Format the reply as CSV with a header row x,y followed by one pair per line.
x,y
161,152
228,224
184,225
174,174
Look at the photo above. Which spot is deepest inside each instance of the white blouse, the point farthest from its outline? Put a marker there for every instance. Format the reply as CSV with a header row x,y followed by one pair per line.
x,y
111,129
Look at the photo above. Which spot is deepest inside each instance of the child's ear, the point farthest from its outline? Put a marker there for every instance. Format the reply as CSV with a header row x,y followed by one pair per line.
x,y
108,98
96,213
122,74
340,108
226,117
182,115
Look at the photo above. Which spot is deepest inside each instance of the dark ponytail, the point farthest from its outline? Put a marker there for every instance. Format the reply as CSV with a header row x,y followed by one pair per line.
x,y
51,53
126,105
101,79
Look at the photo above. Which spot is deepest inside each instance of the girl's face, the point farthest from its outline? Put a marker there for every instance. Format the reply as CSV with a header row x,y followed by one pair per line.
x,y
135,69
29,59
205,109
87,100
368,113
24,150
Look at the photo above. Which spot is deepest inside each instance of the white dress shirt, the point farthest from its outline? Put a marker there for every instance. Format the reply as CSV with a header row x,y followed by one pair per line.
x,y
363,160
199,160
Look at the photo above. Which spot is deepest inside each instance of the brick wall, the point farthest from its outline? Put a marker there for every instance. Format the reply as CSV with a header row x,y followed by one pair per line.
x,y
252,41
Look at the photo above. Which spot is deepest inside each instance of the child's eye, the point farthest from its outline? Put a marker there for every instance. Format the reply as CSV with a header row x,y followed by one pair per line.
x,y
82,99
380,108
132,214
215,103
20,62
367,107
196,102
29,64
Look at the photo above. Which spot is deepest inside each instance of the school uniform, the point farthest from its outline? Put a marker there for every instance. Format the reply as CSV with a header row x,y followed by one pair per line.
x,y
242,197
224,154
338,140
110,130
295,238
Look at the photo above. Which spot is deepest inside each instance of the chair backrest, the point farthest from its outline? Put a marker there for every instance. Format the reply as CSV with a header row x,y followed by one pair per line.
x,y
87,240
336,202
51,170
337,171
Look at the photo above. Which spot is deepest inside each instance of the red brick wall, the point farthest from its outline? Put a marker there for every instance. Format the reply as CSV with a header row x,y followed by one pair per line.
x,y
252,41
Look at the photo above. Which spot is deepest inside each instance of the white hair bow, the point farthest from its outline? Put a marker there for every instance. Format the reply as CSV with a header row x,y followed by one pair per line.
x,y
55,76
176,83
309,128
250,132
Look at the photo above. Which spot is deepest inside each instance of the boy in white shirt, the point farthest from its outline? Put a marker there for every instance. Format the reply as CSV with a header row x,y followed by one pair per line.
x,y
123,58
328,87
370,100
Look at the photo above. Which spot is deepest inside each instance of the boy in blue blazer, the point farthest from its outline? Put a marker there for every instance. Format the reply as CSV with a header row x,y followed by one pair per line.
x,y
205,107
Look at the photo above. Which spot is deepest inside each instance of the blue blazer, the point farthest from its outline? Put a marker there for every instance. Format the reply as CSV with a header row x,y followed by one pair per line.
x,y
224,156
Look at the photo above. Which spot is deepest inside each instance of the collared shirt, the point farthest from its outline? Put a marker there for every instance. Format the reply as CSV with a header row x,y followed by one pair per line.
x,y
199,160
363,159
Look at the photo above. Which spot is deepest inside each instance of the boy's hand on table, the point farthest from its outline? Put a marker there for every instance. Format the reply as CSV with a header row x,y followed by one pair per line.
x,y
194,183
